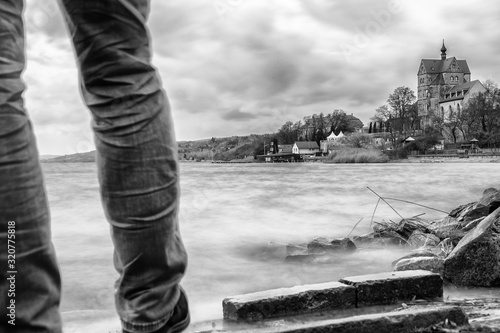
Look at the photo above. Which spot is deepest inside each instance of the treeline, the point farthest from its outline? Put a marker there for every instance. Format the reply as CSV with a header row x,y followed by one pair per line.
x,y
311,128
317,127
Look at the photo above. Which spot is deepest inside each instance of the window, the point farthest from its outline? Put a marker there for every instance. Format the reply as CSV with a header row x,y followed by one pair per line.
x,y
456,78
442,112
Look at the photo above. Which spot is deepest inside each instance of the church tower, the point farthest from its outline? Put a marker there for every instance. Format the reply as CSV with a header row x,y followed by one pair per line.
x,y
435,78
443,52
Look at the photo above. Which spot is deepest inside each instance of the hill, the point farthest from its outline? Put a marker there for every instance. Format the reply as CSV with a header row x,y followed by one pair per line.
x,y
225,149
73,158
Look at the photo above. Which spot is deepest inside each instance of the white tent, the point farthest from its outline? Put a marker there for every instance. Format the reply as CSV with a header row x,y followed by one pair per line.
x,y
333,137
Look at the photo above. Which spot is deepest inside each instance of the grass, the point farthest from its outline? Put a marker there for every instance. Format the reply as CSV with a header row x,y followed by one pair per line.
x,y
357,155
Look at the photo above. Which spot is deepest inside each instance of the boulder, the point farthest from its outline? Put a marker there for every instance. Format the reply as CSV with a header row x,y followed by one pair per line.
x,y
327,245
407,227
447,227
471,212
380,240
475,261
472,224
421,239
415,254
491,199
433,264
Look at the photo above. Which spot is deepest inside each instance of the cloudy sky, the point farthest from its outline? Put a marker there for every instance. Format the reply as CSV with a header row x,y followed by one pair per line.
x,y
236,67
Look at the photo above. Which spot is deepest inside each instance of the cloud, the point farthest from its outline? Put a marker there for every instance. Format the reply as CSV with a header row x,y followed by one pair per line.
x,y
237,67
238,115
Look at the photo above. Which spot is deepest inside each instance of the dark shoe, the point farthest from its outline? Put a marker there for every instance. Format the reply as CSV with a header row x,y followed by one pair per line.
x,y
180,318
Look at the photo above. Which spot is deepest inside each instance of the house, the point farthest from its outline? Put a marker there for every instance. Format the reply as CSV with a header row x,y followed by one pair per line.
x,y
286,149
305,148
456,98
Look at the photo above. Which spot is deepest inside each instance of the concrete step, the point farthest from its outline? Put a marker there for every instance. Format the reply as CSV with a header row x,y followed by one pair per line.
x,y
406,321
391,287
289,301
357,291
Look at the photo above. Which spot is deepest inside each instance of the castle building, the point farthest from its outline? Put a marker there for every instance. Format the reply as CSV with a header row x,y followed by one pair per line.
x,y
444,85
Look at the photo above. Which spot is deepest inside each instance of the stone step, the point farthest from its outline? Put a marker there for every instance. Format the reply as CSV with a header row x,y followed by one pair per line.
x,y
388,288
356,291
289,301
408,320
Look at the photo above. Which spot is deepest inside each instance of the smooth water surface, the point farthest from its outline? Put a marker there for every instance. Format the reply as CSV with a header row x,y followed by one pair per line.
x,y
235,219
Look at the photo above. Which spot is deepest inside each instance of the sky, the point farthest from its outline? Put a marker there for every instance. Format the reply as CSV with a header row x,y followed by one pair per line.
x,y
237,67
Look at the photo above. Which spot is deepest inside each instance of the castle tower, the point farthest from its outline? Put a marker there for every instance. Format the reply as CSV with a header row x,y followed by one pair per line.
x,y
443,52
436,77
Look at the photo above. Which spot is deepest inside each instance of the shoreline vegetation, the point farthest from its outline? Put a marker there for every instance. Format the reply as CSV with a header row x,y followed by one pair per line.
x,y
357,155
344,155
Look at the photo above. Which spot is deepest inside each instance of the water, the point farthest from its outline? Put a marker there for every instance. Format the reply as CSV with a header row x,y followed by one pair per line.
x,y
231,213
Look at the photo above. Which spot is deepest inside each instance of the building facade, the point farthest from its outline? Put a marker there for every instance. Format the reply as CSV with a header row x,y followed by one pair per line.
x,y
436,78
457,97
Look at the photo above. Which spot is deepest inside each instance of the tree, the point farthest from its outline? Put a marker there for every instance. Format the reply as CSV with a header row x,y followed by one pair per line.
x,y
338,121
286,134
382,113
482,115
402,102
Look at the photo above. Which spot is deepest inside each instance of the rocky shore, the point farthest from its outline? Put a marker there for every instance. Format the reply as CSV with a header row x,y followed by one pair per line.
x,y
463,248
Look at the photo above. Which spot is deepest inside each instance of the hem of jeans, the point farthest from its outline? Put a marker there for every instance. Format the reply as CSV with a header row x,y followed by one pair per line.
x,y
146,328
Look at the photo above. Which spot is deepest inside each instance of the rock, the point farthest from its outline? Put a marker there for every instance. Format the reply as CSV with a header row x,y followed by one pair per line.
x,y
388,288
491,199
295,249
289,301
447,227
380,240
415,254
408,226
475,261
455,212
322,245
421,239
471,213
472,224
432,264
445,247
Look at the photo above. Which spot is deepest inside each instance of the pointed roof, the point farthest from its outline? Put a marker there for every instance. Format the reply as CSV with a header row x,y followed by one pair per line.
x,y
461,87
464,86
438,66
443,48
307,145
443,51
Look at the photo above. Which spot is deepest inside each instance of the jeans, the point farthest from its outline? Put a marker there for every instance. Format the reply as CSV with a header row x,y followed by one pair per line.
x,y
137,168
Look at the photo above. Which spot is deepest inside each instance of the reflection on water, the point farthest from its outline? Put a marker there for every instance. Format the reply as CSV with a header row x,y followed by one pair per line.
x,y
230,214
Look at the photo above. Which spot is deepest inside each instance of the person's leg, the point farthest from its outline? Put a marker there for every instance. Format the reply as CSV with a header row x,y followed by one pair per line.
x,y
34,286
136,156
